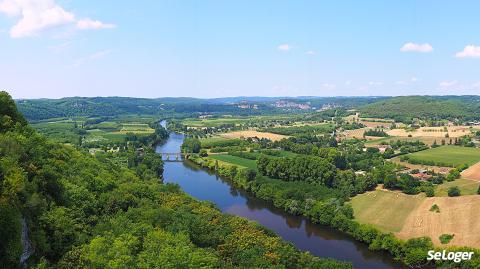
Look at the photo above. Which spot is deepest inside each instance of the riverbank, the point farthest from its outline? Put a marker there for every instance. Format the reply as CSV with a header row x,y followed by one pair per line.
x,y
321,241
411,252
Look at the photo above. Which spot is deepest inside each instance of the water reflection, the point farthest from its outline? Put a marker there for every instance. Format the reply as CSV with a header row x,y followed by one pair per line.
x,y
320,241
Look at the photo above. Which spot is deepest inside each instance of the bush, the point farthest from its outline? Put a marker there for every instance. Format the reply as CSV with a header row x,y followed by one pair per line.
x,y
435,208
446,238
454,191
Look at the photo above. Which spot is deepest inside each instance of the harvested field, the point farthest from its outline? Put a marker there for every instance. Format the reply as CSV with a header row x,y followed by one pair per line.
x,y
387,210
458,216
425,139
473,172
357,133
437,132
250,133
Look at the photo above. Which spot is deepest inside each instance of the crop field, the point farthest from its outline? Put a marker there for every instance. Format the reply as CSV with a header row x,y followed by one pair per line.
x,y
473,172
215,122
466,186
215,141
136,128
251,133
450,155
357,133
425,139
437,169
409,216
252,164
458,216
437,132
387,210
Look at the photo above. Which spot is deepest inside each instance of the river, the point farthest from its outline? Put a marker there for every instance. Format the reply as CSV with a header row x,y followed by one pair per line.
x,y
319,240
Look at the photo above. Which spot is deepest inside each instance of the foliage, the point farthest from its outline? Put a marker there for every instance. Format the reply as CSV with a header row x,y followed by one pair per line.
x,y
454,191
446,238
375,132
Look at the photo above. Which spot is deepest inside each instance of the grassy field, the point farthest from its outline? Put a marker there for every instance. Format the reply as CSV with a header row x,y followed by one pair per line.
x,y
451,155
252,164
63,130
386,210
426,140
216,141
247,134
466,186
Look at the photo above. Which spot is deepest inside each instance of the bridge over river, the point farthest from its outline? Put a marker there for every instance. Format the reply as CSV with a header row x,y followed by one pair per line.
x,y
173,156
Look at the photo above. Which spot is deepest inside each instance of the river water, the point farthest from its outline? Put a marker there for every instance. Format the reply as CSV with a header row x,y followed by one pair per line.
x,y
319,240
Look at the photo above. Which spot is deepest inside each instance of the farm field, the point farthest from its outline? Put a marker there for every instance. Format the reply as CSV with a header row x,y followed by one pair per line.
x,y
251,133
409,216
136,128
357,133
437,169
438,132
473,172
450,155
458,216
252,164
215,122
466,186
425,139
387,210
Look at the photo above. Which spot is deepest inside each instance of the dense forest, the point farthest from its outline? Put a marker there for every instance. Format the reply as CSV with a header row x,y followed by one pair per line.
x,y
404,109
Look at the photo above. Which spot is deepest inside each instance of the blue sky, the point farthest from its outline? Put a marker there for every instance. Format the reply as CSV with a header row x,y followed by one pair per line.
x,y
54,48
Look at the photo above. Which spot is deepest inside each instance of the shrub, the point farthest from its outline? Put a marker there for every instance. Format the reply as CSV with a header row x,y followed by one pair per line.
x,y
454,191
446,238
435,208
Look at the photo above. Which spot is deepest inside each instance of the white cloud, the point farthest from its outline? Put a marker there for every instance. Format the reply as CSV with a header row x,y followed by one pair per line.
x,y
476,85
407,82
91,57
413,47
375,83
329,85
469,51
348,82
87,24
310,52
284,47
39,15
446,84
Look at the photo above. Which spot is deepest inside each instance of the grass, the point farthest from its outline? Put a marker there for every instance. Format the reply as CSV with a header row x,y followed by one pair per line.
x,y
466,186
426,140
451,155
216,141
386,210
252,164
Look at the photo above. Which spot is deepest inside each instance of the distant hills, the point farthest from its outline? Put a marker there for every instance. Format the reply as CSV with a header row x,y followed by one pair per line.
x,y
398,108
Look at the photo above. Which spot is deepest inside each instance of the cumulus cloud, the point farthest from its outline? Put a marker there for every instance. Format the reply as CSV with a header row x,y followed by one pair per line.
x,y
39,15
469,51
86,24
446,84
284,47
413,47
